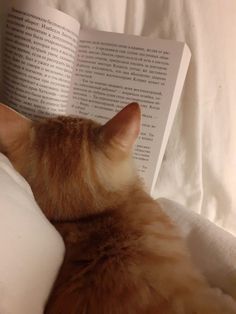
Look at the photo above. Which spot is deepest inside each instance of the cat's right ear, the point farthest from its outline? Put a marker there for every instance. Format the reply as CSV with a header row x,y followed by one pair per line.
x,y
122,131
12,126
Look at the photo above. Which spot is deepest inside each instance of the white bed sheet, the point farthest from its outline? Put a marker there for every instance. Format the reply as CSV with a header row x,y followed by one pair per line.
x,y
199,168
32,250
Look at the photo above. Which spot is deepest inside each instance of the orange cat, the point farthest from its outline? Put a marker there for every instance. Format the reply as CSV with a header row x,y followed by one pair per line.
x,y
123,254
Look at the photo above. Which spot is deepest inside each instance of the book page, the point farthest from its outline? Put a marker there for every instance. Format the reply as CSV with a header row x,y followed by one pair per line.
x,y
113,70
3,14
39,54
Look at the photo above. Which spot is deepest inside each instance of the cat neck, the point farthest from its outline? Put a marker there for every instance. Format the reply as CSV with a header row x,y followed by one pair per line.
x,y
131,194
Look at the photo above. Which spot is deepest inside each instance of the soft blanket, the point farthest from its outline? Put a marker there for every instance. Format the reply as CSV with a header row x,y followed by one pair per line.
x,y
31,249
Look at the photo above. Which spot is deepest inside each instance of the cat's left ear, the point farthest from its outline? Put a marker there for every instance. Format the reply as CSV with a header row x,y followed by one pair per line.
x,y
12,126
123,129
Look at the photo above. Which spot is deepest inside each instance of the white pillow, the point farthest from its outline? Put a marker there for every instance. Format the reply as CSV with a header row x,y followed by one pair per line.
x,y
31,249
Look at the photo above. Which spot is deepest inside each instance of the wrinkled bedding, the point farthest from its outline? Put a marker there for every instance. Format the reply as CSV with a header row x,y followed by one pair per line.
x,y
199,167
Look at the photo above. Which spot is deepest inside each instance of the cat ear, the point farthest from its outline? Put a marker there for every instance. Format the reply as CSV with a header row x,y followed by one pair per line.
x,y
123,129
12,125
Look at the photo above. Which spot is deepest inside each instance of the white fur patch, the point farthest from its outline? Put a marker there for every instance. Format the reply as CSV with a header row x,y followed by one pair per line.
x,y
114,175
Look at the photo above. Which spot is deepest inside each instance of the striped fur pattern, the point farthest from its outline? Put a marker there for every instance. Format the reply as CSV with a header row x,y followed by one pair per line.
x,y
123,254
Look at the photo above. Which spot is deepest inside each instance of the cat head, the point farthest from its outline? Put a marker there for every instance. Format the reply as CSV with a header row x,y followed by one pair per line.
x,y
75,166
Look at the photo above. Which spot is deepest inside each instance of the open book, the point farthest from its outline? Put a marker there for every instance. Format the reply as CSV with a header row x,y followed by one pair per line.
x,y
52,67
